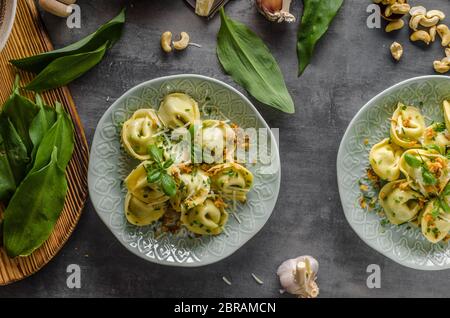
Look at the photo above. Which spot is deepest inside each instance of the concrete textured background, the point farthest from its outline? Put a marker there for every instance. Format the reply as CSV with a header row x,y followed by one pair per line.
x,y
351,65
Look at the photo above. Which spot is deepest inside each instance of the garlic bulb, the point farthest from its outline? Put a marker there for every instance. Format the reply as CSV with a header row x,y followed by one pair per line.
x,y
275,10
298,276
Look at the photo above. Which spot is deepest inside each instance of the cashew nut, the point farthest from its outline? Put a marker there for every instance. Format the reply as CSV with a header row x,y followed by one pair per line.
x,y
421,35
444,33
399,8
417,10
415,20
182,43
388,11
429,22
441,67
396,51
433,33
394,25
435,13
166,39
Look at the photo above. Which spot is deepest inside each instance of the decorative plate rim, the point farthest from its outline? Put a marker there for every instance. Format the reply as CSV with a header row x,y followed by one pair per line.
x,y
258,115
340,155
8,22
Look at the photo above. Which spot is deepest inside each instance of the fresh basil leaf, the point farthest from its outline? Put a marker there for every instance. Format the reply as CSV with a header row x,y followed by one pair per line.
x,y
34,209
108,33
168,163
428,177
412,161
65,69
247,59
168,185
153,176
317,17
156,153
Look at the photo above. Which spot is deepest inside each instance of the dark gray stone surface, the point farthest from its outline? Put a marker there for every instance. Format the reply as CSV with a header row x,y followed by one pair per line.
x,y
352,64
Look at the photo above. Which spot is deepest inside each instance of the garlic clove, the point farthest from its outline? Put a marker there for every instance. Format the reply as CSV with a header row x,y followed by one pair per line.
x,y
276,10
298,276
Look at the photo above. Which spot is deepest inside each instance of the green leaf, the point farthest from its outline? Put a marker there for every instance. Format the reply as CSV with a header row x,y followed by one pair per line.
x,y
247,59
168,163
60,135
65,69
412,161
168,185
428,177
439,127
153,176
109,32
317,17
34,209
434,147
15,149
444,205
7,181
156,153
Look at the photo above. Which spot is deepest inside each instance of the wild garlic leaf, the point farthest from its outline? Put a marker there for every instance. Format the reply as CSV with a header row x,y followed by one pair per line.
x,y
412,161
109,32
247,59
168,185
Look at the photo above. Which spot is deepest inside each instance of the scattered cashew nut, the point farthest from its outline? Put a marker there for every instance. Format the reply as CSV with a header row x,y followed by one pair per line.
x,y
433,33
415,20
182,43
435,13
394,25
429,22
441,67
417,11
396,51
166,40
421,35
400,8
444,33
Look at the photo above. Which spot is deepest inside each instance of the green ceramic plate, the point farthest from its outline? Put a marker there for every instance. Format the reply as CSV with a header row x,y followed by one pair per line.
x,y
403,244
109,165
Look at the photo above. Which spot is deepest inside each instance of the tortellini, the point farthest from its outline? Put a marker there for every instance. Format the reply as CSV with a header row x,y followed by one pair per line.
x,y
193,186
218,141
426,169
384,158
139,132
446,108
178,110
436,137
232,181
144,203
400,202
209,218
435,222
168,185
407,126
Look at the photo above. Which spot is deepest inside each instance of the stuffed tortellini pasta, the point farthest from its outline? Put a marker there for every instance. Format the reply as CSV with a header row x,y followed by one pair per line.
x,y
407,126
435,222
178,110
193,186
218,141
231,180
400,202
384,158
427,170
144,203
436,137
139,132
208,218
141,213
446,109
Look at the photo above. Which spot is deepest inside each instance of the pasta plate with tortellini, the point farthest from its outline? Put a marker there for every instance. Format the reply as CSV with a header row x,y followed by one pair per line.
x,y
411,170
179,181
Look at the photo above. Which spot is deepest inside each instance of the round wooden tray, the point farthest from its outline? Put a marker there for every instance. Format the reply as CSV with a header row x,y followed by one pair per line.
x,y
29,37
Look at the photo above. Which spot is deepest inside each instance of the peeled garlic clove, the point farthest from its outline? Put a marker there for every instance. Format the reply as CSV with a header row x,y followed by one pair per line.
x,y
275,10
298,276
